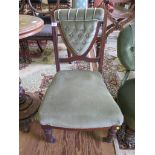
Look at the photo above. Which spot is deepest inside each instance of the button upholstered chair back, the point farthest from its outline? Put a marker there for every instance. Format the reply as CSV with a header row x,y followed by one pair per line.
x,y
126,93
79,30
126,49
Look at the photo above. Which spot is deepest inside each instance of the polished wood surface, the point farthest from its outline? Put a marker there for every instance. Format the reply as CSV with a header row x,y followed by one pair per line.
x,y
29,108
67,143
28,102
29,25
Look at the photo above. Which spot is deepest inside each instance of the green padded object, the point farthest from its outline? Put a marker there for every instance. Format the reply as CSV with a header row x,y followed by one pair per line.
x,y
79,99
126,47
79,14
79,34
126,101
79,27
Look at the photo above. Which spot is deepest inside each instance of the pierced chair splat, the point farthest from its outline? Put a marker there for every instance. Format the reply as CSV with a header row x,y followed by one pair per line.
x,y
78,99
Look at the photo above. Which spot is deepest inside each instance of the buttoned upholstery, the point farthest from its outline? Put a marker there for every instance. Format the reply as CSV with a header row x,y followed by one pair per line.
x,y
126,47
79,99
79,14
126,93
78,27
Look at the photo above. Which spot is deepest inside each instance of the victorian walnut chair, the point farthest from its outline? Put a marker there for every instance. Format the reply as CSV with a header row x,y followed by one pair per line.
x,y
126,93
75,99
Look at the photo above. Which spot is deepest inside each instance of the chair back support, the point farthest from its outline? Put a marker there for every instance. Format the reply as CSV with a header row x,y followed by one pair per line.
x,y
126,47
79,30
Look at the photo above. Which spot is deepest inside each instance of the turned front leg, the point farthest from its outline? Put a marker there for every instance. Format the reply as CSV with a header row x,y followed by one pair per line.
x,y
48,133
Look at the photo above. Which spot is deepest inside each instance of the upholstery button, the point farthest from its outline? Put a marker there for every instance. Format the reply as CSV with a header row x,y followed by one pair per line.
x,y
84,42
79,35
80,48
71,34
132,49
87,35
66,28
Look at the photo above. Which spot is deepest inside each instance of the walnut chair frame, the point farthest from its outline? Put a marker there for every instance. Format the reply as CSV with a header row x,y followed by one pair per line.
x,y
83,57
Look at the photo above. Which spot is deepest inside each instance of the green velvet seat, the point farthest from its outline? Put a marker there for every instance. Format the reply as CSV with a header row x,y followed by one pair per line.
x,y
79,99
126,93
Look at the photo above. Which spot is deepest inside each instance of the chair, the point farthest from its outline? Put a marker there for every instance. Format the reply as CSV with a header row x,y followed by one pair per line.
x,y
126,93
122,13
47,33
76,99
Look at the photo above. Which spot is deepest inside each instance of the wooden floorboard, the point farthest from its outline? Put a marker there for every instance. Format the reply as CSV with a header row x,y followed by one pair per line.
x,y
67,143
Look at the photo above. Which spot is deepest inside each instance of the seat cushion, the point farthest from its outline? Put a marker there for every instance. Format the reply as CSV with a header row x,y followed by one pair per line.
x,y
126,101
79,99
46,31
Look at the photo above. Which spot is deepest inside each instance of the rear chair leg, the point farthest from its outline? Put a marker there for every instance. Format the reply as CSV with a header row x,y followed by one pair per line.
x,y
111,135
38,43
48,133
69,55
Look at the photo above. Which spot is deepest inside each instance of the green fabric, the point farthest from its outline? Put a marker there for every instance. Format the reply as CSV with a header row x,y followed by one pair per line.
x,y
79,27
126,47
79,14
79,34
126,101
126,54
79,99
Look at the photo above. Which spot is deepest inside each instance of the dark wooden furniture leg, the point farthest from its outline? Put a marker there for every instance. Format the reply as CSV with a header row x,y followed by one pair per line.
x,y
48,133
38,43
55,45
28,107
24,125
97,47
25,51
111,135
69,55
